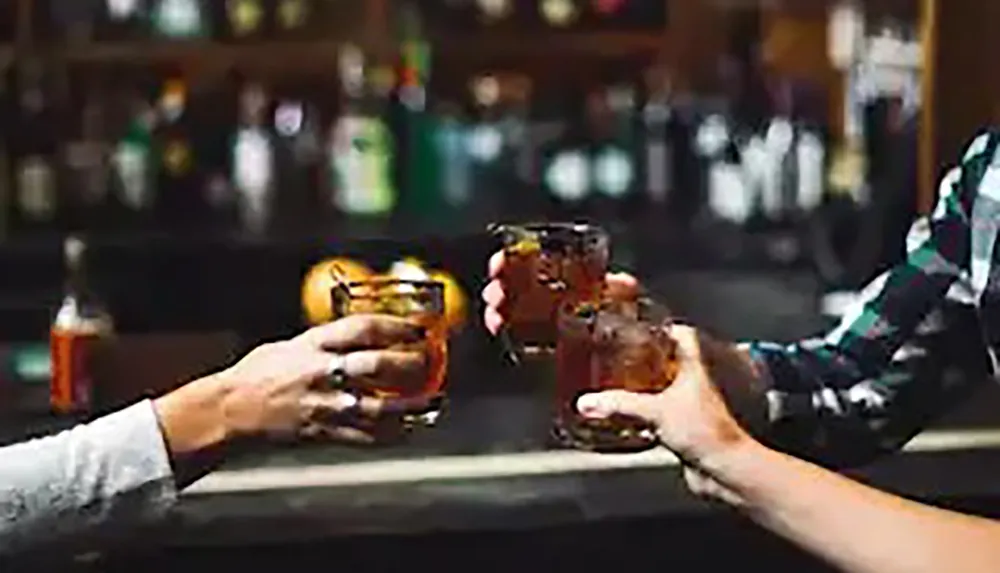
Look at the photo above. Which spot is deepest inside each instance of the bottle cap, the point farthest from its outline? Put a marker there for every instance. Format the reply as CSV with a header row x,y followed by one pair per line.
x,y
73,249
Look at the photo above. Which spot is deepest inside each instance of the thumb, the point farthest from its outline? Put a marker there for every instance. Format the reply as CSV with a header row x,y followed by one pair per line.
x,y
622,286
611,402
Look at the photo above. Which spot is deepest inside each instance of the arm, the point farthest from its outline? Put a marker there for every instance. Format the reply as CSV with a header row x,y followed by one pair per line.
x,y
128,466
821,511
909,347
118,470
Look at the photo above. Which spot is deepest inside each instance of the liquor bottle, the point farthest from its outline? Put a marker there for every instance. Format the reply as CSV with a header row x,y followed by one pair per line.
x,y
360,157
36,200
360,146
79,332
179,196
84,167
244,19
122,20
298,161
133,164
656,118
294,19
183,19
253,162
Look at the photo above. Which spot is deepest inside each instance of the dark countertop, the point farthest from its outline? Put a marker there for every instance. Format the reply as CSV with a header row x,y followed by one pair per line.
x,y
488,467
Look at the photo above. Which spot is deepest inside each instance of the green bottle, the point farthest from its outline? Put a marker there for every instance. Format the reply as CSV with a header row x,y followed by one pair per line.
x,y
132,164
360,156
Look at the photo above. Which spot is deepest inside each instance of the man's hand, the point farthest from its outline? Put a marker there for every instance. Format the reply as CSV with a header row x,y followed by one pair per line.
x,y
691,416
282,389
620,286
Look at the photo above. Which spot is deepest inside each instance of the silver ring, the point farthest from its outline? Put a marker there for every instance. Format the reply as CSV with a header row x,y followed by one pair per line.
x,y
337,370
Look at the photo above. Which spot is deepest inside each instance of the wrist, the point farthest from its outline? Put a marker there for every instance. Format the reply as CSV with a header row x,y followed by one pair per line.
x,y
193,418
731,464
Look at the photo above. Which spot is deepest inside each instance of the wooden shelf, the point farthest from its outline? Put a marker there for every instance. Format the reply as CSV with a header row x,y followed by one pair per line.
x,y
599,44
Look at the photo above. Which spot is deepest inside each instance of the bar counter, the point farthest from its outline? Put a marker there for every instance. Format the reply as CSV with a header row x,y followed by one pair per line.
x,y
488,467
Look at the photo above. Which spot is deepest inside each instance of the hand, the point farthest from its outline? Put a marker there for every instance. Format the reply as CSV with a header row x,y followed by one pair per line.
x,y
620,286
281,389
692,416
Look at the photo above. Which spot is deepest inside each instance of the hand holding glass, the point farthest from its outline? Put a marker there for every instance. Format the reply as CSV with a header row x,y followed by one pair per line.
x,y
604,346
419,301
546,266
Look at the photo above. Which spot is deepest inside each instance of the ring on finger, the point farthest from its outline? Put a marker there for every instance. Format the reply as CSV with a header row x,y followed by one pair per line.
x,y
336,371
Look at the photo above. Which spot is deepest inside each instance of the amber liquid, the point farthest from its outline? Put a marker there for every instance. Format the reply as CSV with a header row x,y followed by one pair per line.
x,y
71,389
434,346
586,364
435,350
539,283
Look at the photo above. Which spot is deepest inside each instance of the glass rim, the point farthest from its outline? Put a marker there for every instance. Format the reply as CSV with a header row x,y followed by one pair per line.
x,y
392,281
573,312
581,227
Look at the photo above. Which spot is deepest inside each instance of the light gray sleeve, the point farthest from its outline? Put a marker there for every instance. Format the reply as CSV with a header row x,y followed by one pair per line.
x,y
114,471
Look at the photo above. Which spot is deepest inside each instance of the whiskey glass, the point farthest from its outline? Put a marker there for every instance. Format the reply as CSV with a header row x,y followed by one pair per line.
x,y
420,301
547,266
604,346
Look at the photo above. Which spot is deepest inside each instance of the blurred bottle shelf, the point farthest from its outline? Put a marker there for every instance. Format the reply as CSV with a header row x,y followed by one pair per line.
x,y
160,51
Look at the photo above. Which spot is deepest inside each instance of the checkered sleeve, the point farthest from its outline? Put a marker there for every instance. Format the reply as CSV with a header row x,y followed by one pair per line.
x,y
909,346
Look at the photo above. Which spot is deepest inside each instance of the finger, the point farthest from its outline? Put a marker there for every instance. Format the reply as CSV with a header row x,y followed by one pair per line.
x,y
363,331
338,408
386,368
621,402
411,405
493,319
493,294
622,286
688,342
392,407
495,265
345,434
323,406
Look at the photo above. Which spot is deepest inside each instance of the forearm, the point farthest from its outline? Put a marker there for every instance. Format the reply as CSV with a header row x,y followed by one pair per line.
x,y
112,470
855,527
117,471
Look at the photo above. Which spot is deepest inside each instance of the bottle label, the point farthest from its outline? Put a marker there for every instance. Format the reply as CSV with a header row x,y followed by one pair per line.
x,y
177,158
292,13
72,384
131,166
245,16
360,157
36,189
120,10
252,163
179,18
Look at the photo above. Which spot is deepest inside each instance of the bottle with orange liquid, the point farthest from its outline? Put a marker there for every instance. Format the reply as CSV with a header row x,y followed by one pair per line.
x,y
80,327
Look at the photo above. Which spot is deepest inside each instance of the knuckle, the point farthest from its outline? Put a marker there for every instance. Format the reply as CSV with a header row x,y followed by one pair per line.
x,y
367,328
266,349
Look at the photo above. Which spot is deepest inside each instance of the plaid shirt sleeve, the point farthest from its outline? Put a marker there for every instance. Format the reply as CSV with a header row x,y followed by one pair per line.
x,y
908,348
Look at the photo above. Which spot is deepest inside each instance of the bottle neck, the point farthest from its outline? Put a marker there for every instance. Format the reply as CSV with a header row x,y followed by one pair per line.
x,y
77,283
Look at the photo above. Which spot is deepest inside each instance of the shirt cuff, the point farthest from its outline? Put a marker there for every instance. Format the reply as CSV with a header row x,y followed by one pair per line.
x,y
781,405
